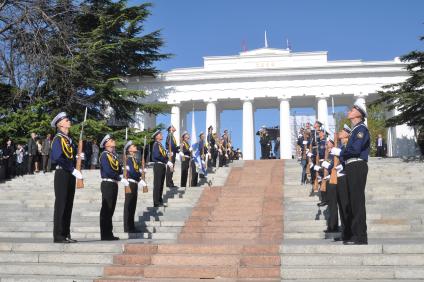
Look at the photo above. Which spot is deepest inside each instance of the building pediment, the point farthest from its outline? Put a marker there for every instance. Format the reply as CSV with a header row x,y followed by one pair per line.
x,y
265,58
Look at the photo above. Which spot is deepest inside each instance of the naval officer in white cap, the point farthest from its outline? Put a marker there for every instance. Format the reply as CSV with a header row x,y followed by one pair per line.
x,y
63,155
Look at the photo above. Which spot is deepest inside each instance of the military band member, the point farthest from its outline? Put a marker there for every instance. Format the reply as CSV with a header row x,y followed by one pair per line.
x,y
110,171
63,156
355,155
185,155
319,172
195,171
303,143
133,176
211,147
342,192
161,160
331,194
171,142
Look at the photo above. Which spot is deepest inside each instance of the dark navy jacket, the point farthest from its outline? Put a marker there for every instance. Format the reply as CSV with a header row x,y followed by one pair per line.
x,y
63,151
170,139
358,145
110,166
133,168
159,153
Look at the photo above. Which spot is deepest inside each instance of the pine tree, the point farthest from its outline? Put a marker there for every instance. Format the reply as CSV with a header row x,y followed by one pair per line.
x,y
408,97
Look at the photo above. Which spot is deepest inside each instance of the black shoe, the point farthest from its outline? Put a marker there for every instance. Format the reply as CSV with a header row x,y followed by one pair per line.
x,y
63,241
111,238
355,243
135,230
322,204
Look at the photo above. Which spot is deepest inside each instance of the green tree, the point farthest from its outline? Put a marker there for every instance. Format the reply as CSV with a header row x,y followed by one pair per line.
x,y
67,55
408,96
375,124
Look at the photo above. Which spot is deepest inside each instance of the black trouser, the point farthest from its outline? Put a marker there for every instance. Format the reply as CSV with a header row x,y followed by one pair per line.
x,y
159,170
31,164
303,163
194,174
109,195
19,169
169,174
356,176
344,207
214,155
380,151
184,171
129,207
333,218
46,166
64,191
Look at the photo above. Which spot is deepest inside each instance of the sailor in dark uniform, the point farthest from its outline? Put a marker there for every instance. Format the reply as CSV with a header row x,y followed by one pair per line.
x,y
171,142
133,176
341,189
162,163
211,147
185,154
111,174
355,155
317,167
331,194
63,155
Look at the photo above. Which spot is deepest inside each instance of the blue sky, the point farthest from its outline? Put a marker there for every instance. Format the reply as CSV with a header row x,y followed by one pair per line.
x,y
360,29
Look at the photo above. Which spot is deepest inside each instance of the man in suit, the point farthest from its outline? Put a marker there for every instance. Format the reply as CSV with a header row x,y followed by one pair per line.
x,y
32,151
380,144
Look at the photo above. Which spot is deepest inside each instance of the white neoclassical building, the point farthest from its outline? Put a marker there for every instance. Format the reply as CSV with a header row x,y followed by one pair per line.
x,y
273,78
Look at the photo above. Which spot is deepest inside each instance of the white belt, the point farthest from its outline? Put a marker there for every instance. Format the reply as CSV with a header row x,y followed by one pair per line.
x,y
109,180
132,180
351,160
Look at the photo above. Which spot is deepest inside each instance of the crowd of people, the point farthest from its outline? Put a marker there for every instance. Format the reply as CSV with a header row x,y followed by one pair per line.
x,y
335,165
18,159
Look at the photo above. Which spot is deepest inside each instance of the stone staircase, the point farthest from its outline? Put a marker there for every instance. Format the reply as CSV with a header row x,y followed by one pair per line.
x,y
26,204
233,232
395,215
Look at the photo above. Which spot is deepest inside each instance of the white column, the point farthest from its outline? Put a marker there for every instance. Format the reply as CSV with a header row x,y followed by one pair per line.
x,y
150,121
323,110
360,98
248,137
176,121
211,114
183,117
285,129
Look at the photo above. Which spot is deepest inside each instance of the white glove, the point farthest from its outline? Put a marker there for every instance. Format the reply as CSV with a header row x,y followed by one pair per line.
x,y
305,142
82,156
335,151
220,151
307,150
325,164
309,154
171,154
125,182
128,167
339,168
191,149
181,154
142,184
77,174
311,165
327,177
317,167
170,164
216,146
